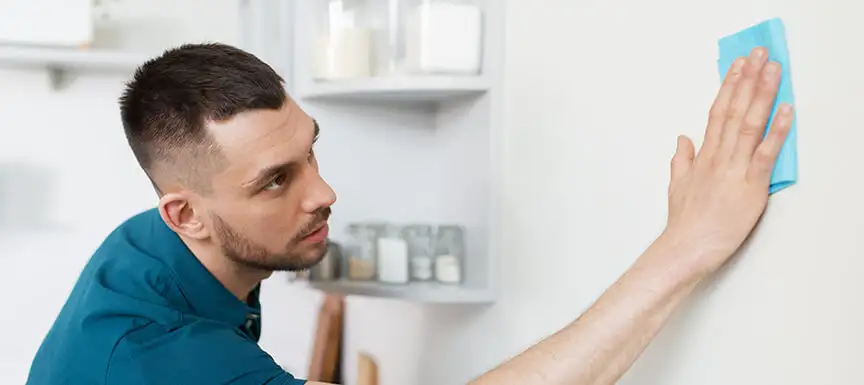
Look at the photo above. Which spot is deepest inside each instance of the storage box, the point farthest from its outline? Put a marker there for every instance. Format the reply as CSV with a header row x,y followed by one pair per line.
x,y
46,22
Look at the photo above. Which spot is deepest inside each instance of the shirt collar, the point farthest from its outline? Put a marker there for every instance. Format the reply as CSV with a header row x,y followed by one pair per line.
x,y
203,293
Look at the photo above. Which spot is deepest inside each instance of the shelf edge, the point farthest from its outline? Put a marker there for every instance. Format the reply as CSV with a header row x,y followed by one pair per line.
x,y
419,293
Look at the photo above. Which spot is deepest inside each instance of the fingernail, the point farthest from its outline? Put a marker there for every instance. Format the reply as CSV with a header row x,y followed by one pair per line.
x,y
757,53
771,70
784,114
757,56
737,65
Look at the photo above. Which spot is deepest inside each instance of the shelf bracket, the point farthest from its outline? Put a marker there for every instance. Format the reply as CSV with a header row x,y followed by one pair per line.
x,y
58,78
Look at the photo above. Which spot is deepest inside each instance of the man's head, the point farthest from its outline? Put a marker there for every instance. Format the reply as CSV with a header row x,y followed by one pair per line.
x,y
230,155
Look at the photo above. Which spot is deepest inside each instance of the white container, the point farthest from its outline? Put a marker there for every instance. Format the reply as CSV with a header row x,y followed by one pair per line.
x,y
392,257
62,23
382,21
443,37
448,269
345,54
343,45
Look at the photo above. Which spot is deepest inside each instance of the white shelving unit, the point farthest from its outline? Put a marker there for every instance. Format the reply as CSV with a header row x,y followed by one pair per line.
x,y
437,164
61,62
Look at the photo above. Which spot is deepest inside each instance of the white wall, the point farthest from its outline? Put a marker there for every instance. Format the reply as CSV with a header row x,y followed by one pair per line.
x,y
597,92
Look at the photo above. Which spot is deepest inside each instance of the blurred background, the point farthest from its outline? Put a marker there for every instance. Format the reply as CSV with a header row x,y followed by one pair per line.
x,y
498,165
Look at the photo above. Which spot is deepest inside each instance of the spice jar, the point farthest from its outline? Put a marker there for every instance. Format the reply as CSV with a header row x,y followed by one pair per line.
x,y
361,251
449,254
420,242
328,269
392,256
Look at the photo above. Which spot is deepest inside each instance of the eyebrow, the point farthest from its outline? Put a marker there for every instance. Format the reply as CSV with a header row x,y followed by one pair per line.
x,y
268,173
274,170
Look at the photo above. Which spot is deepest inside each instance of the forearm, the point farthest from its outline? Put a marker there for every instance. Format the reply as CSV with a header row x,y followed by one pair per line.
x,y
604,342
628,354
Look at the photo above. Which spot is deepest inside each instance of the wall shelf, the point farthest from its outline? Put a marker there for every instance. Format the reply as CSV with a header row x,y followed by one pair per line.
x,y
415,291
421,89
61,61
390,163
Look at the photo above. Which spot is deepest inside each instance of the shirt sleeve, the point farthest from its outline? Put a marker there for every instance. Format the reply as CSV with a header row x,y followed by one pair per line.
x,y
202,352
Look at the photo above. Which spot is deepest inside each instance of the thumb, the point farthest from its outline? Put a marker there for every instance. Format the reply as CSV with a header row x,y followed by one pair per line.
x,y
683,158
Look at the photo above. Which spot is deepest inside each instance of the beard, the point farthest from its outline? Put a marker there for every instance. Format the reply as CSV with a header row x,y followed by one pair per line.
x,y
295,257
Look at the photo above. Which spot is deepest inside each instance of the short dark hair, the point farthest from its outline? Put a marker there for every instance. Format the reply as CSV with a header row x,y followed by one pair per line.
x,y
166,105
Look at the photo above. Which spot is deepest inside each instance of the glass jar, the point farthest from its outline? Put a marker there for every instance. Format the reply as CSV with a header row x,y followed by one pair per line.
x,y
420,242
443,36
328,269
386,18
392,256
361,252
449,254
343,44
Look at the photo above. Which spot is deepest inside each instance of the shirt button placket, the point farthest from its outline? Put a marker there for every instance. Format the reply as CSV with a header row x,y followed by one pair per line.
x,y
250,323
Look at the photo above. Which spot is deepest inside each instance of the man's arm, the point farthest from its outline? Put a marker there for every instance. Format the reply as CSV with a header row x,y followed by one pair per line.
x,y
715,200
200,352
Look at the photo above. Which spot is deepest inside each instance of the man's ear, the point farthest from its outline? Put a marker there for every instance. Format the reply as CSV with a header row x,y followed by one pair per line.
x,y
177,212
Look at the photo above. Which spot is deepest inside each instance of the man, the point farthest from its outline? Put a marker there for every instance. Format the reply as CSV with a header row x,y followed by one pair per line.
x,y
171,296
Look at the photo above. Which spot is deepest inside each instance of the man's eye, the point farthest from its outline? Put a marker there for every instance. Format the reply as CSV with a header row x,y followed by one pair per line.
x,y
277,183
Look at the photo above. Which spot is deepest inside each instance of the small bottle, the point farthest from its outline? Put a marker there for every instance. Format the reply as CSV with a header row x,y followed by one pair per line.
x,y
392,256
361,253
449,254
420,243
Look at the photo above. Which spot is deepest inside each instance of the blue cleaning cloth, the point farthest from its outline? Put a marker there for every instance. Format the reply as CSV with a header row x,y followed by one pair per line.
x,y
772,35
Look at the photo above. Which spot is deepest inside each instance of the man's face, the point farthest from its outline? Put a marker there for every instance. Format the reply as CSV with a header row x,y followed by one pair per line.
x,y
269,206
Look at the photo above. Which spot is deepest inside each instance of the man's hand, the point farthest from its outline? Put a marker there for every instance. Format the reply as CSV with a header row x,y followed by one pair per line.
x,y
715,200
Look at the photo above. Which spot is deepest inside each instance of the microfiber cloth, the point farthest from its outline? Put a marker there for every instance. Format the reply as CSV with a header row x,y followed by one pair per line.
x,y
770,34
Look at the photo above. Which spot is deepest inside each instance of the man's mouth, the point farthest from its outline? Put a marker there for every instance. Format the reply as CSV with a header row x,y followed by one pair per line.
x,y
318,235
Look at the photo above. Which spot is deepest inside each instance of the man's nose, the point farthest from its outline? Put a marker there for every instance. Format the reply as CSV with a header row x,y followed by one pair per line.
x,y
319,194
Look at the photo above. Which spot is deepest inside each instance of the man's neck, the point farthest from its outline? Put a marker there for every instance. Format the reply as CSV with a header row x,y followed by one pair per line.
x,y
239,280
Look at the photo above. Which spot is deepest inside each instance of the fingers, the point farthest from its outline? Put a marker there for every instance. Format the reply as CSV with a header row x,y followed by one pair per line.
x,y
683,158
742,98
756,119
765,155
717,114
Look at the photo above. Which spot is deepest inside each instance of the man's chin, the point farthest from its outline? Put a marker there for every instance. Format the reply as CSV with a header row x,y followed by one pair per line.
x,y
294,261
308,258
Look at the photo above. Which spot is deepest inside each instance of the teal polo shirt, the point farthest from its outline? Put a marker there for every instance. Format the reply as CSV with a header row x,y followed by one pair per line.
x,y
145,311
